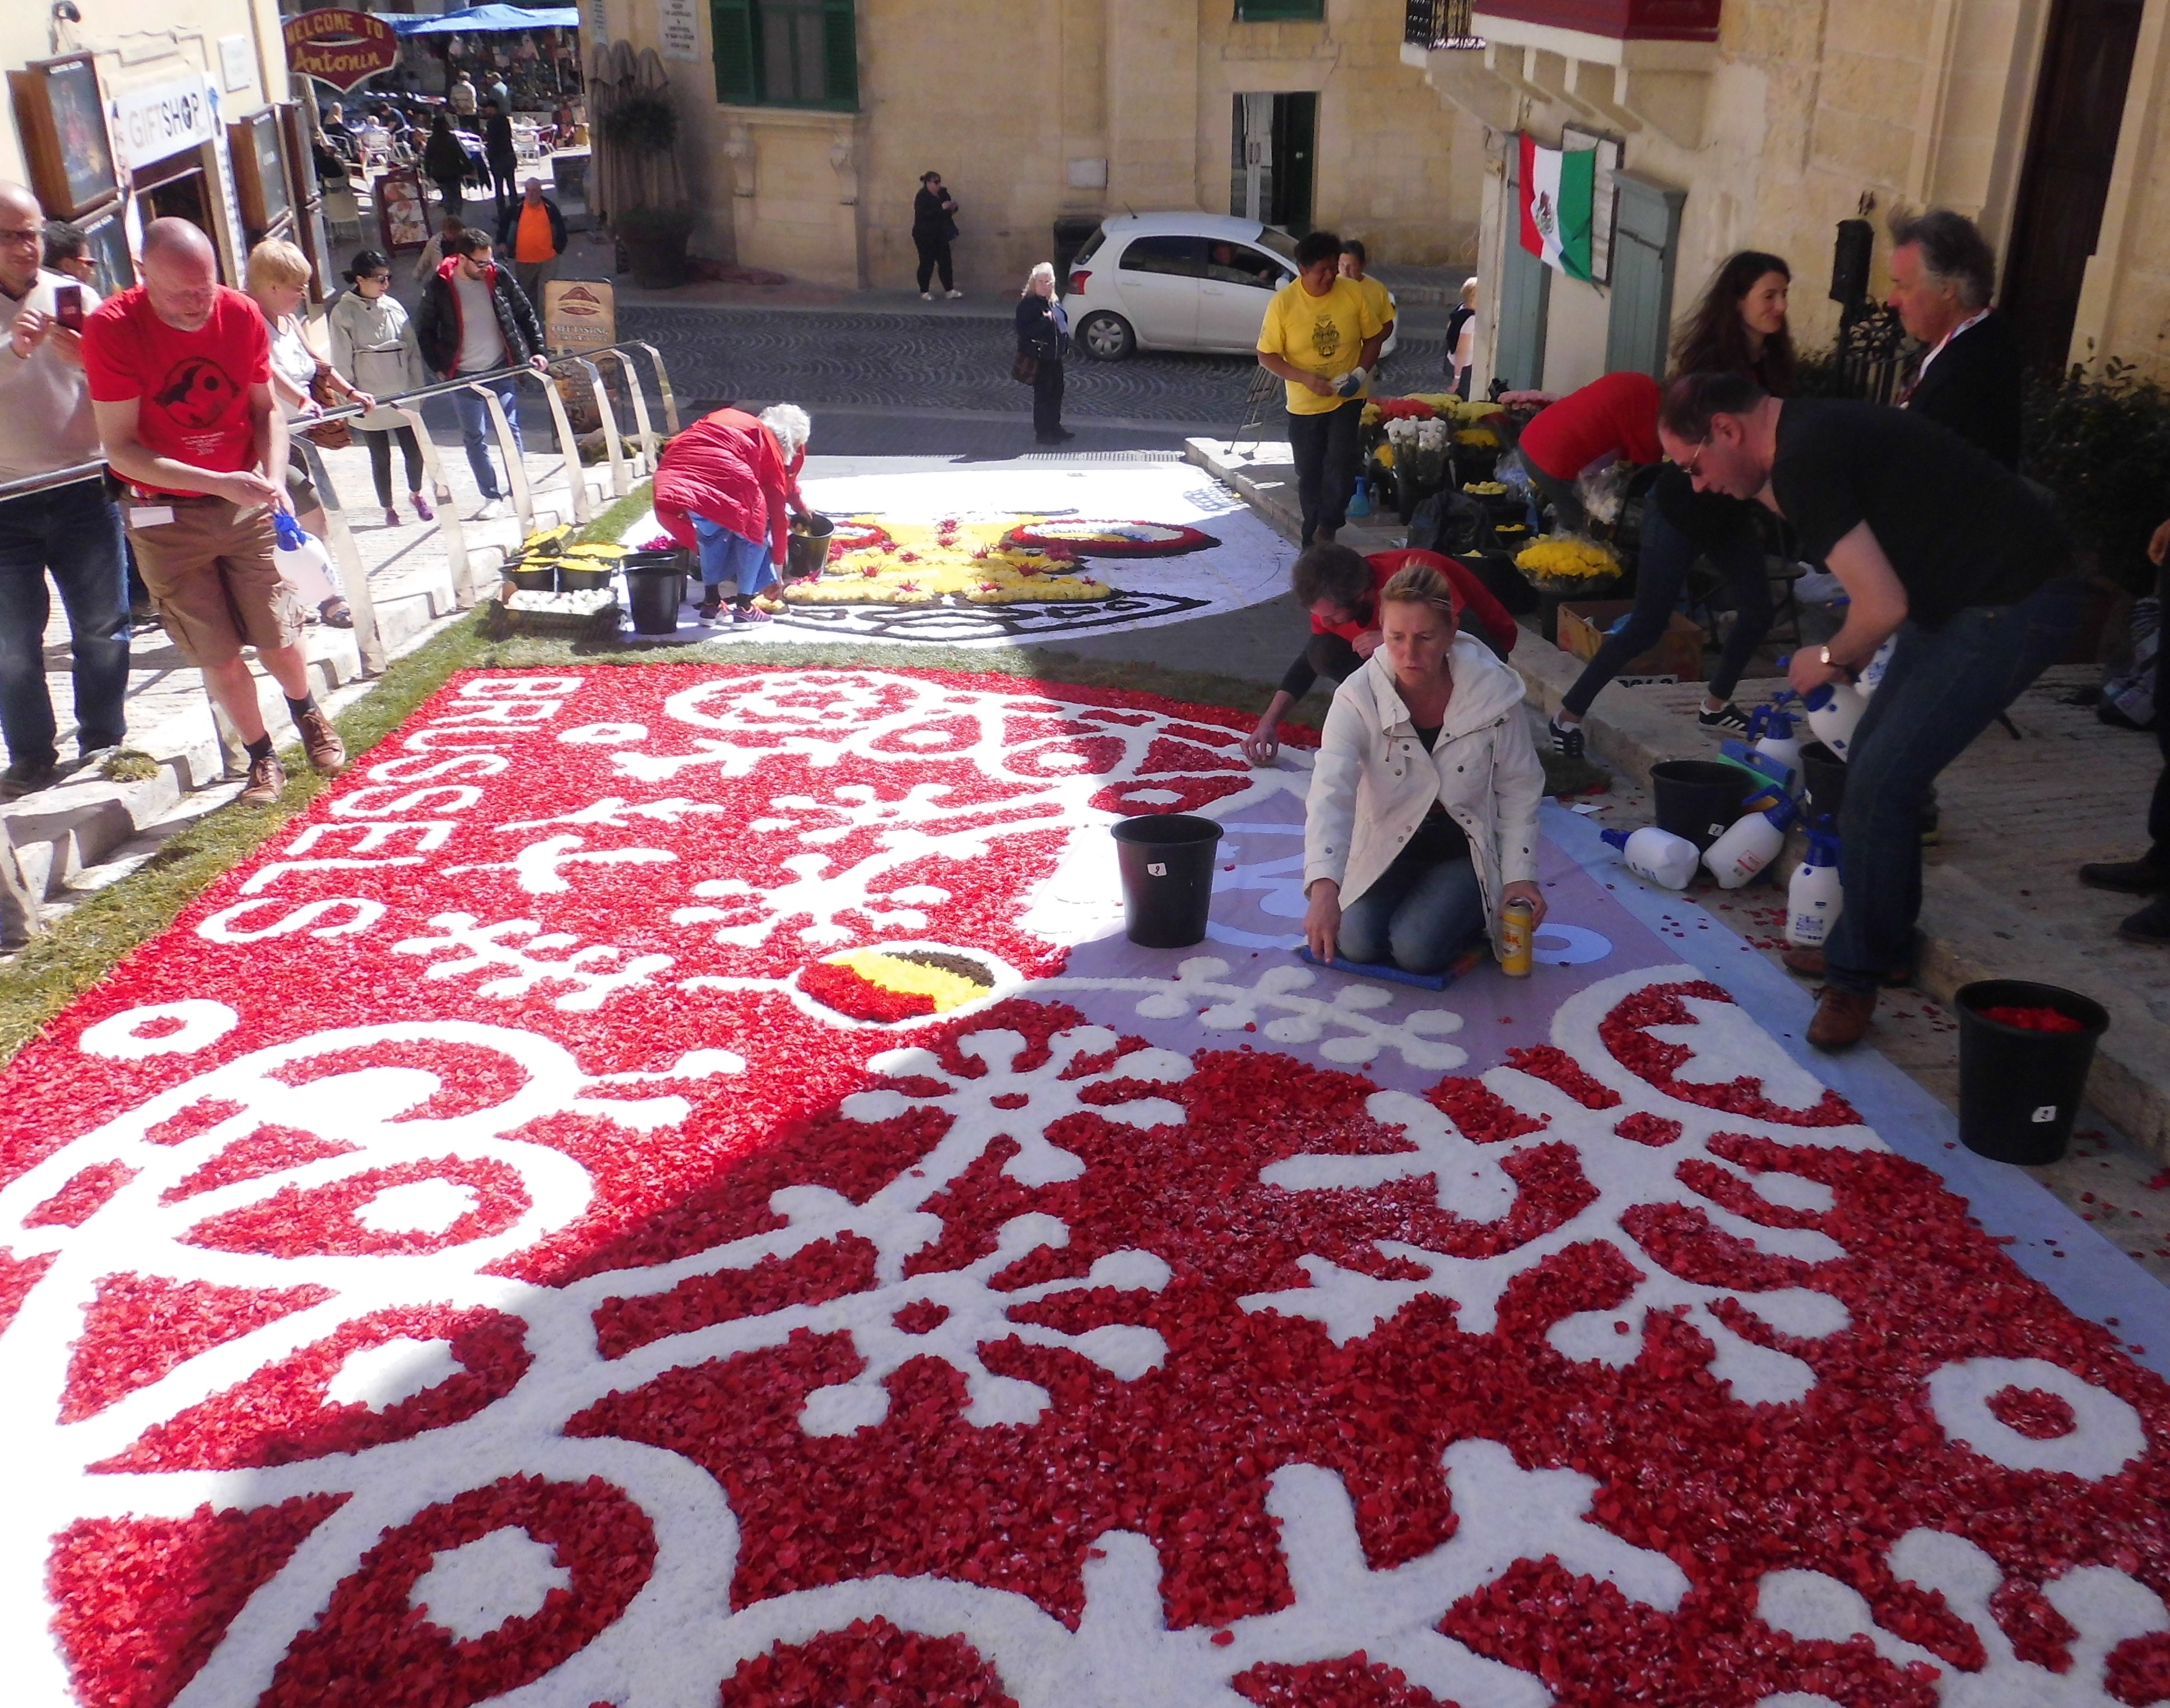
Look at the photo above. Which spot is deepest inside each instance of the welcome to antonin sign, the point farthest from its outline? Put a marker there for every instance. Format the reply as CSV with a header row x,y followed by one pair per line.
x,y
340,47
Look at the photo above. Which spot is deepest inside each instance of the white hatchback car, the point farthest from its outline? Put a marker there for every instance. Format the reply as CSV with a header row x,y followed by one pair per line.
x,y
1175,282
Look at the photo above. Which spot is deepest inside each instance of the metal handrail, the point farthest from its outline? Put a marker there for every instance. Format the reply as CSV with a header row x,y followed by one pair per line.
x,y
340,542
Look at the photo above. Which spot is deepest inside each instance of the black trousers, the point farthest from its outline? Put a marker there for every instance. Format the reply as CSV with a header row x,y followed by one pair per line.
x,y
933,252
379,442
505,183
1325,448
454,192
1047,402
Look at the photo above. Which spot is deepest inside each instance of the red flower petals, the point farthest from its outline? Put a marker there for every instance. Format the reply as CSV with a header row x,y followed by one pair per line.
x,y
1634,1049
283,1413
269,1150
826,1271
1557,1069
141,1327
329,1220
140,1603
2036,1415
82,1197
1354,1681
870,1662
369,1649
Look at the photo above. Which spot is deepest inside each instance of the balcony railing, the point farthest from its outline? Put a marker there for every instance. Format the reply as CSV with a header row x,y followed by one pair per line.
x,y
1430,23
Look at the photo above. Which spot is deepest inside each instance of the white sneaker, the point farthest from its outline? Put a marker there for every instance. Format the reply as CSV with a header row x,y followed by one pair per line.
x,y
956,296
927,296
491,510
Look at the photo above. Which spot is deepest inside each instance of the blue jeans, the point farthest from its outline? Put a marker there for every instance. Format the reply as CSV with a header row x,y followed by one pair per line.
x,y
1735,550
1942,688
729,556
476,432
74,534
1419,915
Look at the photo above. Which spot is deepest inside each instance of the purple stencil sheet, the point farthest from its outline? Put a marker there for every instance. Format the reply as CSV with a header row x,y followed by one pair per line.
x,y
1601,921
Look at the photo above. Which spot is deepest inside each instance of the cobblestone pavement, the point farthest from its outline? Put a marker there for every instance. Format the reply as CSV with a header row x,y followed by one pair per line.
x,y
914,362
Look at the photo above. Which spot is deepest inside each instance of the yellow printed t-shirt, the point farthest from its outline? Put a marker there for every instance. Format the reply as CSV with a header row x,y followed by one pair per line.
x,y
1324,334
1381,299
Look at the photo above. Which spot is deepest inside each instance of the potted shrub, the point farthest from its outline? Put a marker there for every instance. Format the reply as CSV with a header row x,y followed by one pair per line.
x,y
646,127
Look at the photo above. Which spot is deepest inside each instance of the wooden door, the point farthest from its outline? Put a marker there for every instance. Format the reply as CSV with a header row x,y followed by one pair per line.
x,y
2071,145
1526,286
1646,238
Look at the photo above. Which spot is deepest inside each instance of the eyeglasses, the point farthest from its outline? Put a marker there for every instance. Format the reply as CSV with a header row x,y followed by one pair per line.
x,y
22,239
1695,461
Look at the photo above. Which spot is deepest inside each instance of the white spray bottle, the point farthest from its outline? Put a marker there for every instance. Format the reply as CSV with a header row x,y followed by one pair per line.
x,y
1657,855
1834,709
1753,842
1777,738
1813,898
303,563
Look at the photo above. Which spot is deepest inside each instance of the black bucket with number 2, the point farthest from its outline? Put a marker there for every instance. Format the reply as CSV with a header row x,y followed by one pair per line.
x,y
1166,861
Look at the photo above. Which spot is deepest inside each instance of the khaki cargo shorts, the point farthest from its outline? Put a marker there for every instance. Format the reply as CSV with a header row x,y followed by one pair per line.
x,y
210,568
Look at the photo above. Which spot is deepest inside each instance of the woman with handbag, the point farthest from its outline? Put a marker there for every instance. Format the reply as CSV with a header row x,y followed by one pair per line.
x,y
303,382
373,338
1043,334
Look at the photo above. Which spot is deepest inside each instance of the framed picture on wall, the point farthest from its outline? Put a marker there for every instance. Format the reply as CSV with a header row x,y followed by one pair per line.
x,y
62,116
1605,196
108,250
259,173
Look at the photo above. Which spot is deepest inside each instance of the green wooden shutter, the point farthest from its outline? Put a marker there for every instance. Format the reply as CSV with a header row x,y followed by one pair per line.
x,y
731,23
1278,11
839,53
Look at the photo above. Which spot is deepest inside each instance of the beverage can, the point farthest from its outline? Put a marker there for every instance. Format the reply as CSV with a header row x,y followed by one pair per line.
x,y
1517,939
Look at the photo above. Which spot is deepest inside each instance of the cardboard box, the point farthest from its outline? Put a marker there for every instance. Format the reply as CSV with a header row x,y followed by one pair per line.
x,y
1678,653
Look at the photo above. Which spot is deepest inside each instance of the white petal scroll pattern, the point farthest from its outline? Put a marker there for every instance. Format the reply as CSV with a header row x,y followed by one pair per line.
x,y
2107,1434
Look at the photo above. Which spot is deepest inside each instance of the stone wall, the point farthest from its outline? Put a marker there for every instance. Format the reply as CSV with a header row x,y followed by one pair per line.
x,y
1063,106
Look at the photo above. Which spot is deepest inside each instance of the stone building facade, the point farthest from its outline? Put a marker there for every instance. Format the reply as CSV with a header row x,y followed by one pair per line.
x,y
1765,123
806,123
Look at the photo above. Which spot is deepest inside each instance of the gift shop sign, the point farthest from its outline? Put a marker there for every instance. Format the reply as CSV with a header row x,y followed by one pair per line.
x,y
340,47
160,119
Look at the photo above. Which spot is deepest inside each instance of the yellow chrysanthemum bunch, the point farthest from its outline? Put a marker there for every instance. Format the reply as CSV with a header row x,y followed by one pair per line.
x,y
1567,558
1484,489
929,562
1478,438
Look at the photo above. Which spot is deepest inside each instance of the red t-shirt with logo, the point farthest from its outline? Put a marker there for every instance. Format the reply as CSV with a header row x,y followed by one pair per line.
x,y
192,388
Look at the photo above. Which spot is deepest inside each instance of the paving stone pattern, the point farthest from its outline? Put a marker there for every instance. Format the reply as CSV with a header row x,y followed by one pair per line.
x,y
910,362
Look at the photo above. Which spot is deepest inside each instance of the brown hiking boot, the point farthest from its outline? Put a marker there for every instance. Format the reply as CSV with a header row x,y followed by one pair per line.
x,y
321,743
267,781
1841,1017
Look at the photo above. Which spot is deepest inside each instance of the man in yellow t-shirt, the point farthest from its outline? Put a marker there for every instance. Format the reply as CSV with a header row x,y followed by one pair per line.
x,y
1354,259
1322,336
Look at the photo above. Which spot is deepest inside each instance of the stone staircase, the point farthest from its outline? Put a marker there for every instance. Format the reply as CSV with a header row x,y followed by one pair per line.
x,y
62,842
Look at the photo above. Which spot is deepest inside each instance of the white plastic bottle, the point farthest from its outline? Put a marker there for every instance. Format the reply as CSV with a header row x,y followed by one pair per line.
x,y
1834,710
1752,843
1813,897
1657,855
1778,740
303,563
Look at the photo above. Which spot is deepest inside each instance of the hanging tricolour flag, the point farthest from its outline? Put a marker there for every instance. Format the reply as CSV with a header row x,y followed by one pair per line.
x,y
1557,189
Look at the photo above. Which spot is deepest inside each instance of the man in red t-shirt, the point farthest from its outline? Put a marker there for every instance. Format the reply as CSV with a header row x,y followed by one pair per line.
x,y
180,383
1615,418
1341,589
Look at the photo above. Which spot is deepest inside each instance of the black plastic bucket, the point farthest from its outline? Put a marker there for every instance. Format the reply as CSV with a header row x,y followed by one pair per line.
x,y
1166,861
2020,1088
655,595
1699,799
809,547
1823,780
532,578
590,576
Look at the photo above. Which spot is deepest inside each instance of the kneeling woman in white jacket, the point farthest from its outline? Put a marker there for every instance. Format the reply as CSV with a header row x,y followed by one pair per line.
x,y
1422,821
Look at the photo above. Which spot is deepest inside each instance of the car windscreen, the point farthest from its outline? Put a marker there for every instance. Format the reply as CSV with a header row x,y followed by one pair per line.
x,y
1279,241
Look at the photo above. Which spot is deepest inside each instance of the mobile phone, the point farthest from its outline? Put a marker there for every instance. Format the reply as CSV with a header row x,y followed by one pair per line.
x,y
67,306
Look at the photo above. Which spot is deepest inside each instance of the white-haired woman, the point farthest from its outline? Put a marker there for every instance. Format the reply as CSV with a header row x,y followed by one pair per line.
x,y
725,488
1043,334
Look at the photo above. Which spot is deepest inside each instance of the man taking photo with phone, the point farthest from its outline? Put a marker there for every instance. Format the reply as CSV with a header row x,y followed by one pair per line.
x,y
180,380
69,533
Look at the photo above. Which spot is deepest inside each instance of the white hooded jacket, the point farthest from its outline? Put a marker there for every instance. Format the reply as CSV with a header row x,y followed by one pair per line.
x,y
1374,783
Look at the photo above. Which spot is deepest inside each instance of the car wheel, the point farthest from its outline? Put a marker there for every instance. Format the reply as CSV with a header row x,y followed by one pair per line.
x,y
1106,337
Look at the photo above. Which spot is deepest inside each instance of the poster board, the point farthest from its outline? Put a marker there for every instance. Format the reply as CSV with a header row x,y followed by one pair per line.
x,y
403,216
580,316
61,114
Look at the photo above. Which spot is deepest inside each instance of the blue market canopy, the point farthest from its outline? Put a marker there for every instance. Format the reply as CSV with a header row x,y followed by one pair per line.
x,y
484,20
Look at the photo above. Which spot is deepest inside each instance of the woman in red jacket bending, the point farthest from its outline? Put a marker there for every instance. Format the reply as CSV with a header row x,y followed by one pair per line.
x,y
726,488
